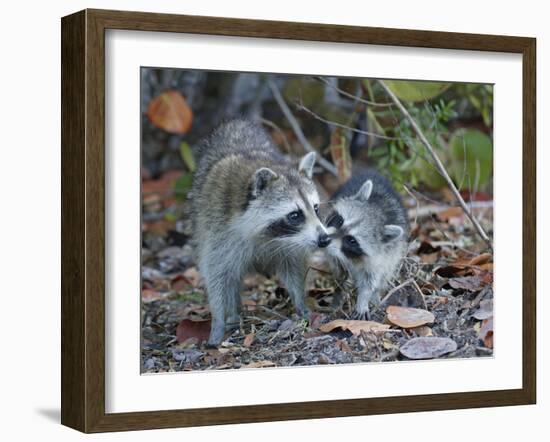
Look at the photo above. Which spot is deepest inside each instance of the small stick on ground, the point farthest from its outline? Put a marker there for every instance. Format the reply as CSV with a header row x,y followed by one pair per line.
x,y
420,292
297,130
392,291
438,164
273,312
423,212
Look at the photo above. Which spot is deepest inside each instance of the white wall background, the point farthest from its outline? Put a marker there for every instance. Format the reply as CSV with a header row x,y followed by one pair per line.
x,y
30,215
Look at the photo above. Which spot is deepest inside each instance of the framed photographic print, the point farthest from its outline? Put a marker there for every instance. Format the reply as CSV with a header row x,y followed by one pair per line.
x,y
267,221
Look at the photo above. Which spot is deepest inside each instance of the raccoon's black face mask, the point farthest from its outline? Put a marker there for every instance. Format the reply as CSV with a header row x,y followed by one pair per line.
x,y
287,204
349,245
291,224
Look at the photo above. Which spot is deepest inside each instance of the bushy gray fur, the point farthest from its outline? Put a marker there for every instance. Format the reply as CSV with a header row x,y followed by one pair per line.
x,y
373,215
243,193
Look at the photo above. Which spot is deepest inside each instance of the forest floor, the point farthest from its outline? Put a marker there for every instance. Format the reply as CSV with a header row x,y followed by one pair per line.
x,y
440,306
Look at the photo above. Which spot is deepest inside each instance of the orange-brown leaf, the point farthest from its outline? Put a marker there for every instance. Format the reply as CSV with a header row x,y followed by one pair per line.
x,y
170,112
259,364
150,295
481,259
451,212
339,150
249,339
486,332
407,317
192,329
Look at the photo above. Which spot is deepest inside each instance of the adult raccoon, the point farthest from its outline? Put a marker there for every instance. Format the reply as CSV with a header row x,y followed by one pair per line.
x,y
369,228
252,210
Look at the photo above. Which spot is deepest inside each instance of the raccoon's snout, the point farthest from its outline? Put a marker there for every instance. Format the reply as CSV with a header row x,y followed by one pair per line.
x,y
323,240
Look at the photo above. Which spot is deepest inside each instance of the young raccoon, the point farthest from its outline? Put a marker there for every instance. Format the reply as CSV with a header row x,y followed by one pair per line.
x,y
252,210
369,228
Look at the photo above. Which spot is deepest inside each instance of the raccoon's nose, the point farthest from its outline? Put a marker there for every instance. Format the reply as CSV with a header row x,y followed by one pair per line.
x,y
323,240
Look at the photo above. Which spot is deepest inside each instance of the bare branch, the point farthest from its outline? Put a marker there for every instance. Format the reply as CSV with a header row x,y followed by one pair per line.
x,y
301,107
297,130
423,212
438,164
354,97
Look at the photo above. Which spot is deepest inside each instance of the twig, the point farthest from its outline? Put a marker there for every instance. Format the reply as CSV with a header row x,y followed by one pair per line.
x,y
301,107
297,130
352,96
414,283
422,212
273,312
416,201
392,291
438,164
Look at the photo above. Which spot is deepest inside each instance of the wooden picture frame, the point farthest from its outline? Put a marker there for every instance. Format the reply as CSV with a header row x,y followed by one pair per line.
x,y
83,220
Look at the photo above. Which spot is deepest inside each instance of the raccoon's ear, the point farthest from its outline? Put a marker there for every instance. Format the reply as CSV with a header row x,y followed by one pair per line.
x,y
306,164
365,191
392,232
262,178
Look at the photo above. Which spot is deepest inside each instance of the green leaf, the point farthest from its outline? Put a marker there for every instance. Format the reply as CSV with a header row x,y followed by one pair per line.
x,y
187,156
423,167
471,157
308,91
182,186
416,90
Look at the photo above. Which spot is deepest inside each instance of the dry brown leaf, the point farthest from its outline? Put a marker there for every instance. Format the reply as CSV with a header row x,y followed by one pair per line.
x,y
343,345
451,212
427,348
170,112
407,317
179,283
149,295
341,158
192,329
486,332
159,227
316,319
485,310
224,366
193,276
249,339
470,283
423,331
355,327
259,364
163,185
481,259
454,270
488,267
430,258
426,248
388,344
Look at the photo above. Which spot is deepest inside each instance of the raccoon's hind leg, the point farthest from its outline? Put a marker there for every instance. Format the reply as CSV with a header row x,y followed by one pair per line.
x,y
233,307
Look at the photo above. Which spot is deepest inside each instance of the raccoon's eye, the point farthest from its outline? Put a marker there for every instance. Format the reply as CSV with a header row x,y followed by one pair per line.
x,y
350,240
316,208
295,217
335,220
